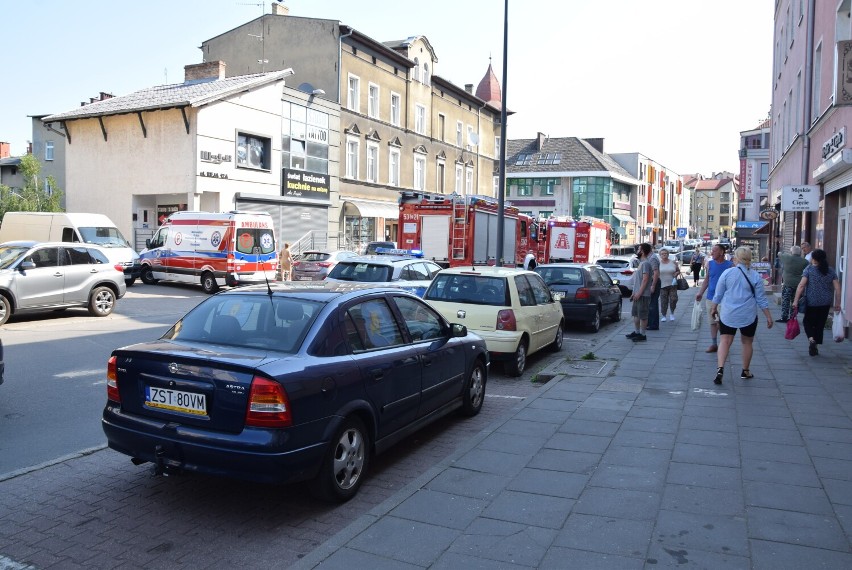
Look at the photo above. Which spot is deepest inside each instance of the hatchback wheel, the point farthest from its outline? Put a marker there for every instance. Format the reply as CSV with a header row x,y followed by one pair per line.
x,y
556,345
518,362
101,301
147,276
616,316
474,390
208,283
345,464
5,309
595,324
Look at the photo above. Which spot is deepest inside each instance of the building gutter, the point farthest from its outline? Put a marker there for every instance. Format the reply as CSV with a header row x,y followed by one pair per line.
x,y
809,64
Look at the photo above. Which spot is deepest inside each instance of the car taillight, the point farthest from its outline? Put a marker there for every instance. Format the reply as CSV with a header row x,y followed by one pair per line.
x,y
627,272
506,320
230,263
268,405
112,381
325,264
582,294
119,267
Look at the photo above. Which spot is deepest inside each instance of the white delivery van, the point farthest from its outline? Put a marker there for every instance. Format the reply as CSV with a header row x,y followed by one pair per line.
x,y
73,227
214,249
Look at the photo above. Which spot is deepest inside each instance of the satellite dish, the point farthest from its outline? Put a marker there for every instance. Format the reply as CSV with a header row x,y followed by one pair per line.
x,y
306,87
473,138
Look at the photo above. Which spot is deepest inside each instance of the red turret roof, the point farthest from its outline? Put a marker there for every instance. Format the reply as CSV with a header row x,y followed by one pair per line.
x,y
489,88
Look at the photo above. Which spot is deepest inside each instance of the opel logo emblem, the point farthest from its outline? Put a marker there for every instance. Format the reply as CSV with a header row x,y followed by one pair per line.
x,y
173,368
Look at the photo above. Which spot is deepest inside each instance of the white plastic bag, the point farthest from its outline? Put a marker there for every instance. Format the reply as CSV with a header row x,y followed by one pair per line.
x,y
837,326
697,312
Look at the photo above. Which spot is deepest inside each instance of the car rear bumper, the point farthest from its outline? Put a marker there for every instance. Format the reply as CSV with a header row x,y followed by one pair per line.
x,y
263,455
500,342
577,312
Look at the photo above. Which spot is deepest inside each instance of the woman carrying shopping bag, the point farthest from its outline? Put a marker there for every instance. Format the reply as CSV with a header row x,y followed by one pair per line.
x,y
820,288
669,270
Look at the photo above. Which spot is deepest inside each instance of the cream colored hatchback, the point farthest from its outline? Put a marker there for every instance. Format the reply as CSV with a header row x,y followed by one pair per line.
x,y
511,309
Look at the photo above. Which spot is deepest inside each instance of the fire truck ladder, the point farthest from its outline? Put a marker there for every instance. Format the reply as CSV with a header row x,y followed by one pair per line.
x,y
459,229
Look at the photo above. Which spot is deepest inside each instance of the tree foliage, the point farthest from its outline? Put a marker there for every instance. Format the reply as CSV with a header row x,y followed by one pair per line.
x,y
30,198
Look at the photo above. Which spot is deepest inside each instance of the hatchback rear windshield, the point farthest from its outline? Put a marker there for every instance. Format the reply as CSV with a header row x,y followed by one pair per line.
x,y
613,263
249,321
361,272
469,289
561,275
315,256
255,240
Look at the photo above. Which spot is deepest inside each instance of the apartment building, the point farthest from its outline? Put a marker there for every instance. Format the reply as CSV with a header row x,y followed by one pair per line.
x,y
659,202
810,176
404,127
757,224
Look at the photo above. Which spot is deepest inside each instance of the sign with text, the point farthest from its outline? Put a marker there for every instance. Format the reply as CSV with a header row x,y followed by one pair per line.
x,y
804,198
834,144
299,184
843,82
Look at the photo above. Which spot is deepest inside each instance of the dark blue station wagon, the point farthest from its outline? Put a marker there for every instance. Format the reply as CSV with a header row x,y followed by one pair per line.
x,y
286,383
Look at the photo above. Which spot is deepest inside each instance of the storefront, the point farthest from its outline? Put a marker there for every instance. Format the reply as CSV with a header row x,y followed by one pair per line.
x,y
365,220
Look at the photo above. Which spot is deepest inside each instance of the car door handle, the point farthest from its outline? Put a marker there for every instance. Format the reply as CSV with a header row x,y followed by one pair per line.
x,y
376,374
58,274
427,361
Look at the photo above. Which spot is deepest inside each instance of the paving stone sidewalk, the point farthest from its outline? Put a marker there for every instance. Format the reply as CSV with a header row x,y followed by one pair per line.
x,y
637,460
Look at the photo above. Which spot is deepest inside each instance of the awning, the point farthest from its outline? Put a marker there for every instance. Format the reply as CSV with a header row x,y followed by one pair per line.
x,y
375,208
623,218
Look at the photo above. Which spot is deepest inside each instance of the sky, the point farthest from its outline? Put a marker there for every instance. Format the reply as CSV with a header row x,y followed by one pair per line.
x,y
675,80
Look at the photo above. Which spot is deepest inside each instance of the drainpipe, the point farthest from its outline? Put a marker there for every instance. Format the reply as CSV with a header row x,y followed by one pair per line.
x,y
807,111
479,142
340,65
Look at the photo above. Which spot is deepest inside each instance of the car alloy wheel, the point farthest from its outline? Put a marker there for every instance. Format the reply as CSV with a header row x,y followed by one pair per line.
x,y
102,301
345,463
616,316
474,390
595,324
518,362
556,345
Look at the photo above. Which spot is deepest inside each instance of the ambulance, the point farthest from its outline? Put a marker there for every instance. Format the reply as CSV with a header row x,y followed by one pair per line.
x,y
213,249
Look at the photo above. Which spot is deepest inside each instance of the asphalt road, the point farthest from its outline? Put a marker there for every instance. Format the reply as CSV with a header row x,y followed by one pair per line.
x,y
49,413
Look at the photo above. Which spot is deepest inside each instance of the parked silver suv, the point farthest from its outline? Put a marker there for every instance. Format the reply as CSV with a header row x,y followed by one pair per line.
x,y
50,276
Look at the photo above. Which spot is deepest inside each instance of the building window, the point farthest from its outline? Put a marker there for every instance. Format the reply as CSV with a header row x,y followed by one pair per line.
x,y
524,159
496,185
815,91
439,183
425,73
523,186
354,94
393,170
352,151
468,180
415,71
459,176
48,150
441,124
372,163
711,218
253,151
304,138
549,158
764,174
459,131
472,139
373,101
419,172
544,214
420,119
497,147
548,185
394,114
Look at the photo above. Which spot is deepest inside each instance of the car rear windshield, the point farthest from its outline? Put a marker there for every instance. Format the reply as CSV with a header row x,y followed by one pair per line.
x,y
613,263
249,321
469,289
315,256
361,272
561,275
255,240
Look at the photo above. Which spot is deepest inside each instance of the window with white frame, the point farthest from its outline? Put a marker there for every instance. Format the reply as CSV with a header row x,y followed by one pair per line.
x,y
394,109
440,174
459,131
372,162
496,183
352,151
816,84
354,94
420,119
373,101
48,150
496,147
425,73
393,167
459,178
468,180
415,71
471,136
419,172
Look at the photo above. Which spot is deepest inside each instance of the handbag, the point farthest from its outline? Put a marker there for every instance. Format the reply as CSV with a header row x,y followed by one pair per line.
x,y
682,283
697,312
837,328
701,273
793,328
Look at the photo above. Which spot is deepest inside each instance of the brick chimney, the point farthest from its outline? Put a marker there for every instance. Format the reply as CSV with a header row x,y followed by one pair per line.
x,y
541,139
597,143
279,9
5,150
206,70
469,88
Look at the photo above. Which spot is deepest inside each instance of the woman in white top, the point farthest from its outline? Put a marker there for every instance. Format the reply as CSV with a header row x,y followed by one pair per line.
x,y
669,269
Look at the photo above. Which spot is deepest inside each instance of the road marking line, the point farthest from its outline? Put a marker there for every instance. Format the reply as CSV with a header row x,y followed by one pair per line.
x,y
80,373
501,396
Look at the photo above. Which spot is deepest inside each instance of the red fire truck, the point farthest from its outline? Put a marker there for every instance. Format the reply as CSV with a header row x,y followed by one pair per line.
x,y
454,230
564,239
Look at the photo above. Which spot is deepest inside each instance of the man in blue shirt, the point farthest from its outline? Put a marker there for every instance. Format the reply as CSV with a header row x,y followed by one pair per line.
x,y
714,268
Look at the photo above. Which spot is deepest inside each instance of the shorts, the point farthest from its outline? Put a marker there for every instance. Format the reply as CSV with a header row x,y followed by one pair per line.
x,y
746,331
641,307
710,312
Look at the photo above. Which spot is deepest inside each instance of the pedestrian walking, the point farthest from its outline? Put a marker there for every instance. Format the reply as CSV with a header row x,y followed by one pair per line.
x,y
696,264
713,269
807,250
641,297
654,308
669,270
792,266
738,295
286,262
820,288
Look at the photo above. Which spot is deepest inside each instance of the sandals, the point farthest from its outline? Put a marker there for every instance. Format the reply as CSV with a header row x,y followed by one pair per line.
x,y
746,374
719,373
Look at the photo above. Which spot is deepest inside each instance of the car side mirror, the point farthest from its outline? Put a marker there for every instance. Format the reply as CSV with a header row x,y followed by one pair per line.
x,y
26,265
148,243
557,295
458,330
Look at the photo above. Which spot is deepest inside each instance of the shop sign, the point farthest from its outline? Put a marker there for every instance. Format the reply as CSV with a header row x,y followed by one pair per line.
x,y
804,198
835,143
299,184
843,80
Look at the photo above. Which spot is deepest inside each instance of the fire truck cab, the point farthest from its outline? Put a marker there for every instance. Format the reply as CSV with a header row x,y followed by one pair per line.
x,y
564,239
454,230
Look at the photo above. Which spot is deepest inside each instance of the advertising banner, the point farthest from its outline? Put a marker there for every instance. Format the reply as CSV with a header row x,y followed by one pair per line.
x,y
299,184
804,198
